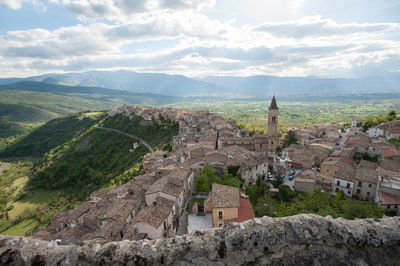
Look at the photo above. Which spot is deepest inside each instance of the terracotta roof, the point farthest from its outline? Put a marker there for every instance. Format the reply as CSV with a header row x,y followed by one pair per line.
x,y
245,212
224,196
388,199
351,142
156,214
394,130
389,153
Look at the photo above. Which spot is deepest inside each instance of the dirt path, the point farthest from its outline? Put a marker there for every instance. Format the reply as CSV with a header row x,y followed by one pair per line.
x,y
131,136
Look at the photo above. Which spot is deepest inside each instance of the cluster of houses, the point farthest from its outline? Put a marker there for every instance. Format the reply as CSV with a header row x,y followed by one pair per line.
x,y
363,165
152,205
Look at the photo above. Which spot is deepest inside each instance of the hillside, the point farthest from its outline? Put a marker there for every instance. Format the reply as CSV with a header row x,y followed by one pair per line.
x,y
50,135
26,104
77,158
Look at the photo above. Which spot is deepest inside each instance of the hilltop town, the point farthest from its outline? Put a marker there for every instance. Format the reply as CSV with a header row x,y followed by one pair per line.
x,y
157,203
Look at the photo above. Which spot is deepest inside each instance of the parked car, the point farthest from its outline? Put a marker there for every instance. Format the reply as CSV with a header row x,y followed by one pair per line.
x,y
291,177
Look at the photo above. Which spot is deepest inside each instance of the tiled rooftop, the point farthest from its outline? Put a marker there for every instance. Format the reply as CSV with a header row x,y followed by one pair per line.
x,y
224,196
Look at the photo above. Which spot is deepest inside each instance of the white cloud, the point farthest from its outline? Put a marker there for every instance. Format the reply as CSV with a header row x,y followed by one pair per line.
x,y
201,45
317,27
123,10
17,4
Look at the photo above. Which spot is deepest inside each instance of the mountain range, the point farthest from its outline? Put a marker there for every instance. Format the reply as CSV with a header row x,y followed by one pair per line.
x,y
253,86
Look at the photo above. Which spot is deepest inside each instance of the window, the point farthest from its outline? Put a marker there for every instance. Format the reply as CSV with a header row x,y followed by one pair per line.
x,y
165,225
388,206
348,185
368,193
337,189
358,191
359,184
273,119
220,224
338,183
369,185
395,206
220,215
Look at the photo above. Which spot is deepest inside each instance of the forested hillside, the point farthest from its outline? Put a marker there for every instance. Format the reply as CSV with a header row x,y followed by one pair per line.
x,y
68,158
25,105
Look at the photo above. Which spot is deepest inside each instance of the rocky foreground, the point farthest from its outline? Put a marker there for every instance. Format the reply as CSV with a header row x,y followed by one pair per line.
x,y
296,240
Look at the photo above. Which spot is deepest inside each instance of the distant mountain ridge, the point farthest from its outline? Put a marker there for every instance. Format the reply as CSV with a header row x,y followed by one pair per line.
x,y
254,86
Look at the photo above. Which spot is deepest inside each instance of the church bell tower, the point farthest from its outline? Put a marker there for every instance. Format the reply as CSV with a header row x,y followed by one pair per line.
x,y
272,126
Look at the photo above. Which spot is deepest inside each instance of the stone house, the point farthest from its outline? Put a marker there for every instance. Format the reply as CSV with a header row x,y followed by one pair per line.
x,y
389,169
156,220
375,132
226,206
215,156
301,156
344,180
306,181
388,193
366,180
251,169
168,190
332,165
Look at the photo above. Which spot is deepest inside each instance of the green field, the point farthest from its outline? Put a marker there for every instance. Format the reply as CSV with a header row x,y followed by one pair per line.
x,y
23,228
254,114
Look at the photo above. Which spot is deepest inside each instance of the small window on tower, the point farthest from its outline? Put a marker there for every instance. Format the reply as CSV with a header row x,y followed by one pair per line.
x,y
273,119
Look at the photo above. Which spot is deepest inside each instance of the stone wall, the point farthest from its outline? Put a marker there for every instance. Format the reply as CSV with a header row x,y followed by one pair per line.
x,y
296,240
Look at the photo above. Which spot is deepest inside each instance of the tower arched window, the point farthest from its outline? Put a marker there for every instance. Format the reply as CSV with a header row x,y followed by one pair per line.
x,y
273,119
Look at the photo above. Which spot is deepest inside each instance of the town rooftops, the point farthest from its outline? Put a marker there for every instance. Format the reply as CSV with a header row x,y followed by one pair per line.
x,y
390,165
163,185
224,196
388,199
342,159
347,173
245,212
386,153
367,165
367,175
156,214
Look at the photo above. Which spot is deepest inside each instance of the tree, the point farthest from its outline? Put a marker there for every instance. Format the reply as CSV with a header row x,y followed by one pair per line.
x,y
290,138
232,181
278,181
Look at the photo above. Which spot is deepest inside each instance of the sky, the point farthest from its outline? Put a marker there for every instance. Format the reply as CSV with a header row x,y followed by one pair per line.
x,y
197,38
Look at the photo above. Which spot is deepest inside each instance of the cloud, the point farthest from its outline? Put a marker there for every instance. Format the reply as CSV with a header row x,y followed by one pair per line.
x,y
122,10
135,33
17,4
317,27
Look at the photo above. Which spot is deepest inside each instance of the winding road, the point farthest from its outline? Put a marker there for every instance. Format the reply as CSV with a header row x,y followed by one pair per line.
x,y
129,135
